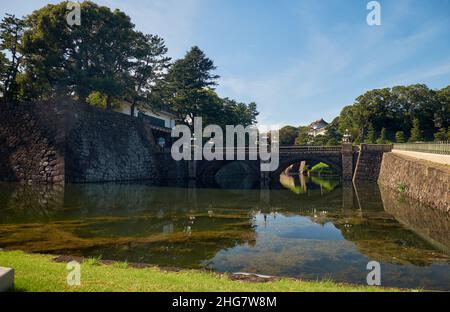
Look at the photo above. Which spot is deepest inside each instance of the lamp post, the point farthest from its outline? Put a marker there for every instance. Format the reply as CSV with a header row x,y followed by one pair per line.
x,y
161,142
346,137
347,157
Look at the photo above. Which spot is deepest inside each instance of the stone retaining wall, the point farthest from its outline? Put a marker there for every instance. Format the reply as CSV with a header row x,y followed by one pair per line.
x,y
59,142
424,181
32,143
368,165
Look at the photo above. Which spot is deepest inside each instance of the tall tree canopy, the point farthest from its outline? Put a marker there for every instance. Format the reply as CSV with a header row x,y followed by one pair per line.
x,y
188,85
396,109
188,92
11,32
399,114
78,59
287,135
103,61
147,68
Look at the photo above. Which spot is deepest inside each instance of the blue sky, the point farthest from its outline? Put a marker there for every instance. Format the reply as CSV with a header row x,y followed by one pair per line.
x,y
299,60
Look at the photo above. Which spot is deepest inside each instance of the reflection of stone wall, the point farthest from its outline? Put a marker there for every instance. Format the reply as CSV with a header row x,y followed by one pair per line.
x,y
70,142
423,181
22,202
172,172
431,224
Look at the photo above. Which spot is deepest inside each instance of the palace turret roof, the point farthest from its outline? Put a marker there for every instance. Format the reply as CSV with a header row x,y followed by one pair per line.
x,y
318,124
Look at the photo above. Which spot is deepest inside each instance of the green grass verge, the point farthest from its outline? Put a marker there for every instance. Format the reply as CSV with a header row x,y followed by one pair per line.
x,y
35,272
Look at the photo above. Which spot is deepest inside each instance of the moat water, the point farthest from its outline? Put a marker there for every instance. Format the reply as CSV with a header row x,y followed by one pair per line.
x,y
309,228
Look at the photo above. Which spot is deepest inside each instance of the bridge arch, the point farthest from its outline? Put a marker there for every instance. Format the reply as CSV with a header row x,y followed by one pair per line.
x,y
340,158
334,162
206,170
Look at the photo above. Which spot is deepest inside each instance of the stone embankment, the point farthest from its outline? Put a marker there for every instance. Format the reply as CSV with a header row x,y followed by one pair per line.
x,y
421,180
61,142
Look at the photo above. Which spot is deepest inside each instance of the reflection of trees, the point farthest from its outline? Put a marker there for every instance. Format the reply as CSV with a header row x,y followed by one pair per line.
x,y
128,221
300,184
326,184
374,229
185,226
293,183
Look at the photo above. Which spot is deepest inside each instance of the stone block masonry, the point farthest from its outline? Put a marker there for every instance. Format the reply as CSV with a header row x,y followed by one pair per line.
x,y
347,161
68,142
32,143
421,180
368,165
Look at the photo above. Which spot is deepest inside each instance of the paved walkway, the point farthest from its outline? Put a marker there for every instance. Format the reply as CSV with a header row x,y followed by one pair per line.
x,y
440,159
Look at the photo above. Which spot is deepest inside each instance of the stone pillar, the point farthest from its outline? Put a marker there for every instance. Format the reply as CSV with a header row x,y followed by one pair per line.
x,y
264,176
347,161
301,170
303,183
264,199
347,195
192,194
192,164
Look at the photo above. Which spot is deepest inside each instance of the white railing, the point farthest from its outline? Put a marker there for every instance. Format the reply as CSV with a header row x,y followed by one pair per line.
x,y
310,148
377,147
281,148
442,147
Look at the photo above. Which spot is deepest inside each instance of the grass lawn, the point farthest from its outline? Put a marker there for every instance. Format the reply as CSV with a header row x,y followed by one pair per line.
x,y
35,272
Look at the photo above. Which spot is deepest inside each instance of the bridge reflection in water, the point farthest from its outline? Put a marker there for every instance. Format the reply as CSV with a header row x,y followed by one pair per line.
x,y
328,231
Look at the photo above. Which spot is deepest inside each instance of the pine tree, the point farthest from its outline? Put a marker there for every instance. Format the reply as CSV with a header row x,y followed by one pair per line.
x,y
382,139
416,133
189,86
400,137
11,31
370,139
441,135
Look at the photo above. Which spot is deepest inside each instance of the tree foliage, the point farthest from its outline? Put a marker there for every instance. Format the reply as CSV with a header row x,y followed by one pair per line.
x,y
303,138
104,61
188,92
76,60
11,32
395,109
371,135
147,68
383,138
441,135
288,135
395,114
416,132
400,137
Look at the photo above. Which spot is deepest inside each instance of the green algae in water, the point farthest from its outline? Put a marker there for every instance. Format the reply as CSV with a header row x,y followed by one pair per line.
x,y
313,229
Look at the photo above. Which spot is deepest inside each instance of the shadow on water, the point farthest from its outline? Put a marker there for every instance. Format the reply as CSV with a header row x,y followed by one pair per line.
x,y
311,228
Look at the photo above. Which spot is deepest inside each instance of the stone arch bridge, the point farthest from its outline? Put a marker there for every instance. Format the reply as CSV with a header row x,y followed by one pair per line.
x,y
357,163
